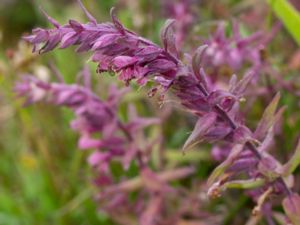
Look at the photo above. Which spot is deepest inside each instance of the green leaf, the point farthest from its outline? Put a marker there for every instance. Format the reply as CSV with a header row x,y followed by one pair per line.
x,y
245,184
220,170
268,118
293,163
288,15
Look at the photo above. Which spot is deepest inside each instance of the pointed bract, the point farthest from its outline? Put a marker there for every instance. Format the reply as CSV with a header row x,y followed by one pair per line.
x,y
241,85
116,22
221,169
86,12
197,63
50,19
167,37
293,163
268,118
200,129
291,205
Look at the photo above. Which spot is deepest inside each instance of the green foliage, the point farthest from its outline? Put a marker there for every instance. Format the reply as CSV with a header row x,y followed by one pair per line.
x,y
288,15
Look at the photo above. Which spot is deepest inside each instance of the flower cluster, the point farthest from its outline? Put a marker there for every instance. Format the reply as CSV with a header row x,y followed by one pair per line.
x,y
235,51
92,116
119,50
118,143
115,49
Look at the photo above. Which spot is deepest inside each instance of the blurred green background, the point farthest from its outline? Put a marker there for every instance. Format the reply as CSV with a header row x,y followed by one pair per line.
x,y
44,178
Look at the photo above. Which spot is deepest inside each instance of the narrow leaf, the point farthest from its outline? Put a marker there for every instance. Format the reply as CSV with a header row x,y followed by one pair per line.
x,y
268,118
293,163
220,170
245,184
288,15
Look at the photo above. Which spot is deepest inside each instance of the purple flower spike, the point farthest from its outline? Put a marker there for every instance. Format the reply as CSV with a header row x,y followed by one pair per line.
x,y
217,107
114,48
